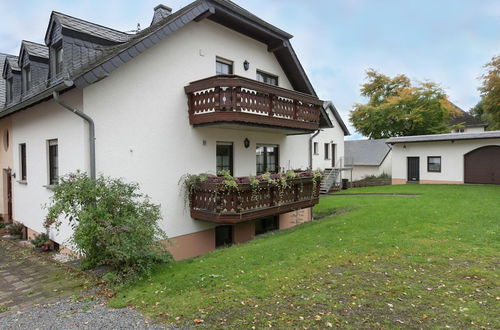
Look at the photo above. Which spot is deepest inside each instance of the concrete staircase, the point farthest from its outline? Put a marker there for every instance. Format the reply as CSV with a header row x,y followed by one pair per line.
x,y
330,181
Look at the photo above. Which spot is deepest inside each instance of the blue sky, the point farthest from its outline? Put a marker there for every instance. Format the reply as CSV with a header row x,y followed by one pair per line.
x,y
445,41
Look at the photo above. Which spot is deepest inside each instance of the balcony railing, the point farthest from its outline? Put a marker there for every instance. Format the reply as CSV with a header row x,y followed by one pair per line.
x,y
234,99
214,202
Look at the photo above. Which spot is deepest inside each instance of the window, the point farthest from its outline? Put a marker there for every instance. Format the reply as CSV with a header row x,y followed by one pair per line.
x,y
224,155
315,148
22,161
53,162
459,130
223,66
266,225
26,78
223,236
327,150
58,59
434,164
267,78
9,90
267,158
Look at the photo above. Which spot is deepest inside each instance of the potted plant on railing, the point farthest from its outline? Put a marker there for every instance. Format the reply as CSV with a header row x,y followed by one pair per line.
x,y
42,242
225,183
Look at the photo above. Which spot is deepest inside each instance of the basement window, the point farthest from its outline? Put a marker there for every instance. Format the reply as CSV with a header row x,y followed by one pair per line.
x,y
223,236
434,164
265,225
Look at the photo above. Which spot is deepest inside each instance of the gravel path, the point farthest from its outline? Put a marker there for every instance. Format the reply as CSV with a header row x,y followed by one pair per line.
x,y
68,314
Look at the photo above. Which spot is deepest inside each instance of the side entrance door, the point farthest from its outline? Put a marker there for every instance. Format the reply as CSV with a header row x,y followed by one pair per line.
x,y
413,169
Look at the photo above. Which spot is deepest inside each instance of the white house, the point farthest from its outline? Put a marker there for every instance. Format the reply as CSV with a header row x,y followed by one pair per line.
x,y
206,88
454,158
368,158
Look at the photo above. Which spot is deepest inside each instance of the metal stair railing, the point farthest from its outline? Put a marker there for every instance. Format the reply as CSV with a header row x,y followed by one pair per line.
x,y
331,179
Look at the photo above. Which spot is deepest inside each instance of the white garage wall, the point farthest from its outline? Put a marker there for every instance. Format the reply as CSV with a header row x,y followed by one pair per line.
x,y
452,158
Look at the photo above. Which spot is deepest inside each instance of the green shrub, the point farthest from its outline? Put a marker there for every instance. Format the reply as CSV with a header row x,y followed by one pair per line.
x,y
41,241
15,229
113,223
2,225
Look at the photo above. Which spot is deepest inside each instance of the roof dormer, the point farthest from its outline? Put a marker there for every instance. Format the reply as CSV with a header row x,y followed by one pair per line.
x,y
12,75
83,42
33,62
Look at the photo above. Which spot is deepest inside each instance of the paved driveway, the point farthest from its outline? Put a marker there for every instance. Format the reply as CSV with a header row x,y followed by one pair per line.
x,y
27,279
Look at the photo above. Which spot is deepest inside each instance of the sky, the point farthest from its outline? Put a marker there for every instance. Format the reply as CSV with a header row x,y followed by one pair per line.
x,y
444,41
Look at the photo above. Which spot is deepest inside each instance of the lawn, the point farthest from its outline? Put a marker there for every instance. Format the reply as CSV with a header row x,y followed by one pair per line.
x,y
371,261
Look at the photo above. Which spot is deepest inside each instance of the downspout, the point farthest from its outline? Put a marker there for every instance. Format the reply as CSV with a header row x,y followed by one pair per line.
x,y
89,120
310,148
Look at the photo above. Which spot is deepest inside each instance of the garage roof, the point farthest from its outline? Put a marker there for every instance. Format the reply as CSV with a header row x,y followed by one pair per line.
x,y
445,137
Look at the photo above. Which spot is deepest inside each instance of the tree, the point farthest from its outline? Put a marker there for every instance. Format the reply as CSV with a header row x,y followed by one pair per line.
x,y
489,106
395,107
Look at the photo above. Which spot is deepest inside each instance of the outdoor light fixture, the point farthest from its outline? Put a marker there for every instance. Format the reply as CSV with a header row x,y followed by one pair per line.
x,y
246,143
246,65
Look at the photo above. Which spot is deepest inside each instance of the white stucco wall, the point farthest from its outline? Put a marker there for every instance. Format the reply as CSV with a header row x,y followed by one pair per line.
x,y
142,126
452,158
35,127
361,171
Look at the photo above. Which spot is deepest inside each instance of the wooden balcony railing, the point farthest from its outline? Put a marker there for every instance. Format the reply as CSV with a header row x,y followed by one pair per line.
x,y
213,202
234,99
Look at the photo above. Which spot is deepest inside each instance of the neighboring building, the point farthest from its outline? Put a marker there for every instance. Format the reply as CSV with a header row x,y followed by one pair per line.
x,y
368,158
5,152
446,158
466,122
208,87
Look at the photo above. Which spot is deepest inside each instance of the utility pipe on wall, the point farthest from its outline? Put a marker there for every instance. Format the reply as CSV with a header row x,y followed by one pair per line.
x,y
90,121
310,148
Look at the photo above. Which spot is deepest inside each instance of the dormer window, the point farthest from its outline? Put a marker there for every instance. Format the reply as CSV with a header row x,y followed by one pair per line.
x,y
9,90
58,59
26,77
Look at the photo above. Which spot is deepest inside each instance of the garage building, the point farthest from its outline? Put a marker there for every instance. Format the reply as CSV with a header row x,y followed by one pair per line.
x,y
454,158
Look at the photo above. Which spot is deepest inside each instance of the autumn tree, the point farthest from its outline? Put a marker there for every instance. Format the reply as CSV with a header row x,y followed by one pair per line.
x,y
488,109
396,107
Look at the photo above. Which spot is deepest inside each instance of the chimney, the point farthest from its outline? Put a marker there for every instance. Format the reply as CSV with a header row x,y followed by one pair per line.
x,y
161,11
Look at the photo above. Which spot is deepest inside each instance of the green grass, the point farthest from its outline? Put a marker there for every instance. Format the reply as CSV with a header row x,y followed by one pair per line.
x,y
371,261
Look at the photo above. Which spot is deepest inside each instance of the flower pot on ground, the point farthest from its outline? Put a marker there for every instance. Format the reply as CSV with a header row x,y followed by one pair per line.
x,y
15,230
42,242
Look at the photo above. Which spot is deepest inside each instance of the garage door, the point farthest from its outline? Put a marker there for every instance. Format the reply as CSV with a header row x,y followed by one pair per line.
x,y
482,165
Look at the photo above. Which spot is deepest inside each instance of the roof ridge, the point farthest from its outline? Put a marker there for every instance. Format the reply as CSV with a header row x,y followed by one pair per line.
x,y
33,42
97,24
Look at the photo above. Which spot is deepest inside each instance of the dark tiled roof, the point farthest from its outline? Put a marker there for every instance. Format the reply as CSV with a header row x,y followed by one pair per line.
x,y
466,119
2,81
365,152
36,49
86,27
445,137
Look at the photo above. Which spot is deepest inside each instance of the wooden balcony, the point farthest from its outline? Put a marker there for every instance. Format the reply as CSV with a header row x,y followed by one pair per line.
x,y
236,100
210,201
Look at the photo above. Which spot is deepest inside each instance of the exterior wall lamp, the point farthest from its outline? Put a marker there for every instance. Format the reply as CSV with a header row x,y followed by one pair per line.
x,y
246,65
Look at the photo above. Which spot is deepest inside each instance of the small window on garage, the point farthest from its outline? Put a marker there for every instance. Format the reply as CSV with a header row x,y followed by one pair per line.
x,y
434,164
